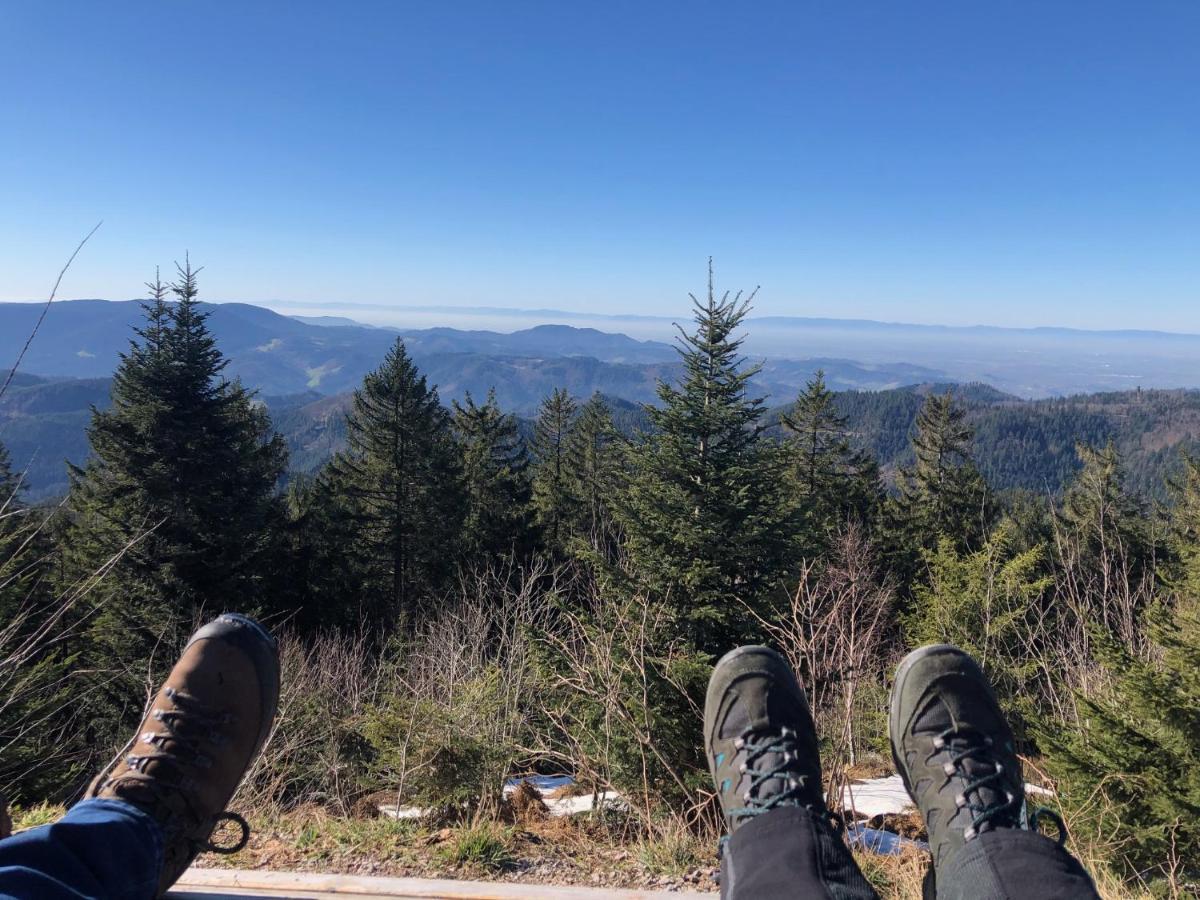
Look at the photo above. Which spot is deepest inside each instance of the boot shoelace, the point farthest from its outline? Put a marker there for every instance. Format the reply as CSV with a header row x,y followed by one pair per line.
x,y
205,726
757,746
964,745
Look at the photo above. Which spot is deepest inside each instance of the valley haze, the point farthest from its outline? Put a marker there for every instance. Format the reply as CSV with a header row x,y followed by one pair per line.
x,y
81,337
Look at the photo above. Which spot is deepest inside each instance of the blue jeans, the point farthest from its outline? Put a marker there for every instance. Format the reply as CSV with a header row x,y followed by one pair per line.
x,y
100,850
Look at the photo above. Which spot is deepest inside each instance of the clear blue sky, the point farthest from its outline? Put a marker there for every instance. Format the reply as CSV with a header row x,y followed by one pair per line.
x,y
1010,163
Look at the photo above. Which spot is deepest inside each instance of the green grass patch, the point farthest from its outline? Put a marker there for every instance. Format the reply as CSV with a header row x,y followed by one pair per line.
x,y
676,852
485,847
42,814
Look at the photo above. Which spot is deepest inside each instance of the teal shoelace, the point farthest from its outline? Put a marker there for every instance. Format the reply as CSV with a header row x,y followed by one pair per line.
x,y
757,748
1004,812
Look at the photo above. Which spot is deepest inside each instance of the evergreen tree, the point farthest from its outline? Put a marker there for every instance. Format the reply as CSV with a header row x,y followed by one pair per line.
x,y
13,528
593,460
13,535
704,515
389,504
495,480
831,480
42,750
1133,767
9,481
985,601
554,502
1108,544
943,494
1185,528
178,501
40,747
1100,512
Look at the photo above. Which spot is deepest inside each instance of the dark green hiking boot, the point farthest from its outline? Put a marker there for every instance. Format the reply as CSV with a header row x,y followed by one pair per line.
x,y
954,749
759,737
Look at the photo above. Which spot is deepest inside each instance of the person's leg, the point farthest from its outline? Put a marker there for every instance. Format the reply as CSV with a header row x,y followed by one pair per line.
x,y
1013,863
100,848
156,805
762,752
954,749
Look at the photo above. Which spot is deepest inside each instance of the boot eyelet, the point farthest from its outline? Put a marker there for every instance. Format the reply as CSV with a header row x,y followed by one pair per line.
x,y
970,834
960,801
948,768
939,743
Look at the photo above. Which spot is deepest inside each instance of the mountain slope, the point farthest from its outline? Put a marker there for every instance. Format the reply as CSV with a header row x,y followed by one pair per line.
x,y
280,354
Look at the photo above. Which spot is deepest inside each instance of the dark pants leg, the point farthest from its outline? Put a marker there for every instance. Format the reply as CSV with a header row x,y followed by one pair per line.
x,y
100,850
790,853
1007,864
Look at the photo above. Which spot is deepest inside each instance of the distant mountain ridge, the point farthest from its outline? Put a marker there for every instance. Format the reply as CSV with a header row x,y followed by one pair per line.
x,y
1044,361
278,354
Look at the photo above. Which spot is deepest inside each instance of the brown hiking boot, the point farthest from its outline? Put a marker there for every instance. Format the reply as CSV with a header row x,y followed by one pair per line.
x,y
207,724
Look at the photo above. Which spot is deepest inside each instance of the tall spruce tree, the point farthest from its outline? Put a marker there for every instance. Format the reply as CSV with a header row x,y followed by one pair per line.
x,y
41,751
593,460
13,535
177,505
1184,523
9,483
554,502
389,505
833,482
495,481
704,512
942,494
181,486
1101,513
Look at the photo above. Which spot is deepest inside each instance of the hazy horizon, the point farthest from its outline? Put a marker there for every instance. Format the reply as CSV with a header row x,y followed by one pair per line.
x,y
500,318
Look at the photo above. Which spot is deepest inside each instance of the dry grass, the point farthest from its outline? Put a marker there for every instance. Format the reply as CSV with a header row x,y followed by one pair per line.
x,y
895,877
557,850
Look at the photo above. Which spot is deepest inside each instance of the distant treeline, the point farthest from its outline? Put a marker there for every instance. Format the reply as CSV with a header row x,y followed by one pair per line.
x,y
1022,444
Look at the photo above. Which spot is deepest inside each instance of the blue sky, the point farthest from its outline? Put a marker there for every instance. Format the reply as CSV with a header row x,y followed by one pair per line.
x,y
1005,163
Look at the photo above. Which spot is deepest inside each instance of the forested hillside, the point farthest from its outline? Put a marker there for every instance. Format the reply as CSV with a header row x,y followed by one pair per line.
x,y
463,596
1025,444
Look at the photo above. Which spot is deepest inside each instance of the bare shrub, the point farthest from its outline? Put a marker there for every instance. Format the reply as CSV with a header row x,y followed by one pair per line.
x,y
455,723
316,753
1098,587
619,709
833,633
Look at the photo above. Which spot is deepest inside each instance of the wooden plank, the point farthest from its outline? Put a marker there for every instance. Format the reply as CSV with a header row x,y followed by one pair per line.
x,y
215,884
